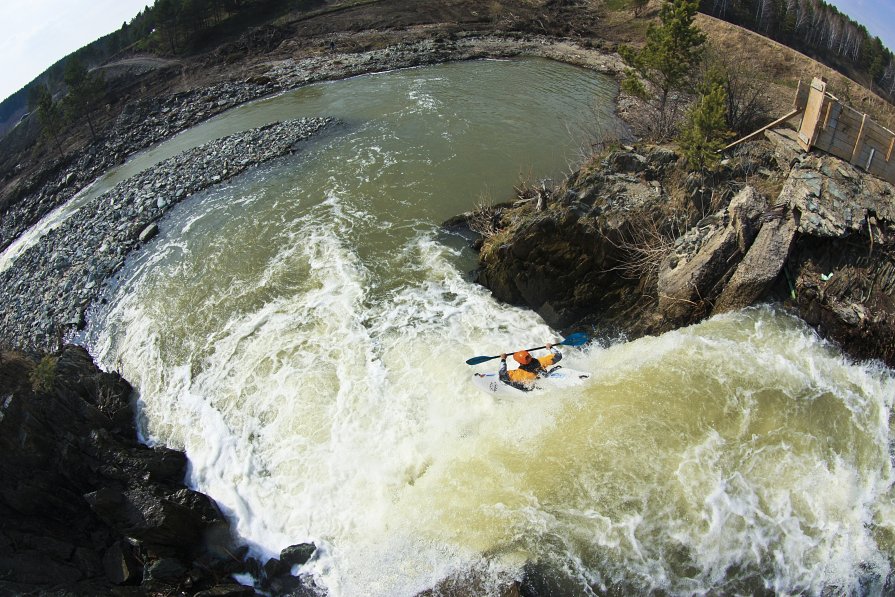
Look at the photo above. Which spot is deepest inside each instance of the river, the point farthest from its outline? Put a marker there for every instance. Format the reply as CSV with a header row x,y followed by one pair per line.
x,y
301,333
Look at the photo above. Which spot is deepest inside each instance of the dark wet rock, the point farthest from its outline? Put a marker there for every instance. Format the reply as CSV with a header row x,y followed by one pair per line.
x,y
227,590
85,507
121,565
297,555
164,571
172,521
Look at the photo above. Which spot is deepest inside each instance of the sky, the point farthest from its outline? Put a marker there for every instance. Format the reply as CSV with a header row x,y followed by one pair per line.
x,y
34,34
877,15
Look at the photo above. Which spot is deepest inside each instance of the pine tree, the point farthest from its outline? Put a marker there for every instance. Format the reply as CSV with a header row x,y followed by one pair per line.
x,y
167,13
49,114
668,61
705,132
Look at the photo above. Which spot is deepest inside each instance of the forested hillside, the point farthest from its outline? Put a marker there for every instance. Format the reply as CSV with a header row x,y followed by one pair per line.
x,y
819,30
167,27
183,27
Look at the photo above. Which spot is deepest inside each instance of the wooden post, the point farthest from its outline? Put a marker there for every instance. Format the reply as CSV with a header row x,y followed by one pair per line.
x,y
801,99
827,115
891,145
859,142
754,134
808,128
870,159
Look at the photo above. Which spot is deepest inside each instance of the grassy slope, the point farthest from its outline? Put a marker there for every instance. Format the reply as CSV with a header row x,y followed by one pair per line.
x,y
783,67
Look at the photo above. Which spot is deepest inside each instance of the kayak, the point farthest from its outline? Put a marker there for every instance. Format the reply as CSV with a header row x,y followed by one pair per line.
x,y
558,378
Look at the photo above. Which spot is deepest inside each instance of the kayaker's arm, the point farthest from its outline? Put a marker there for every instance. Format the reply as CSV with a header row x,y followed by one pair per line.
x,y
551,359
502,372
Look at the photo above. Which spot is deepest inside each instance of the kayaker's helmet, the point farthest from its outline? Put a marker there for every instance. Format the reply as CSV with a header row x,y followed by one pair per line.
x,y
522,357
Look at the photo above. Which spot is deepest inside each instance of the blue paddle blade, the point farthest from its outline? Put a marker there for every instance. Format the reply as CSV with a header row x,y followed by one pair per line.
x,y
477,360
576,339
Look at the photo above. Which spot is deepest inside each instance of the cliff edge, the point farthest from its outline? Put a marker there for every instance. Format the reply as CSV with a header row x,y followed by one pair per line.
x,y
632,244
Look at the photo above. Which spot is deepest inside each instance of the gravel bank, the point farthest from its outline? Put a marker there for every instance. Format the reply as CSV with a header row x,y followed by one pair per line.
x,y
149,121
49,286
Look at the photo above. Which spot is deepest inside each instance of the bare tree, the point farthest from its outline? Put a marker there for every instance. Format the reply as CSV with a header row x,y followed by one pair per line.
x,y
744,87
719,8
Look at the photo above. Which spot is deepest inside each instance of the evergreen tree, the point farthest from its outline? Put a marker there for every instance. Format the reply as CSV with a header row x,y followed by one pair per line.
x,y
49,114
85,91
668,61
167,14
705,133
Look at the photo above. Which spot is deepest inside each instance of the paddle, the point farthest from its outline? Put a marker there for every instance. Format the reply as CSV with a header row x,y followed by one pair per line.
x,y
576,339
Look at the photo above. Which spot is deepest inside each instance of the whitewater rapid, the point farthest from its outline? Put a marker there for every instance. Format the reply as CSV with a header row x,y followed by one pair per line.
x,y
301,333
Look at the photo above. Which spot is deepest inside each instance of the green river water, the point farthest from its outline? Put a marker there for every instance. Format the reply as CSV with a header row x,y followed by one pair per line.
x,y
301,333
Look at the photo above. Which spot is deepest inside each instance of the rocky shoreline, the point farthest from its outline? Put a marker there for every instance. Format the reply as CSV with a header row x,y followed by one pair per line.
x,y
88,510
49,287
150,121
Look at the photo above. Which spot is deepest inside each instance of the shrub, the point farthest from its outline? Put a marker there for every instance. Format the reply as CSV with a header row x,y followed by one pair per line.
x,y
43,376
667,63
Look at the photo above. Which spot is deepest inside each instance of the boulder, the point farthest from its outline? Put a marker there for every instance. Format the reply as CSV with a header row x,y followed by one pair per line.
x,y
174,519
148,233
297,555
626,161
120,564
164,571
757,271
688,280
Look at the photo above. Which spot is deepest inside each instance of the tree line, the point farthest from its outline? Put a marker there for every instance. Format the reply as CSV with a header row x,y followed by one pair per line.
x,y
69,92
819,30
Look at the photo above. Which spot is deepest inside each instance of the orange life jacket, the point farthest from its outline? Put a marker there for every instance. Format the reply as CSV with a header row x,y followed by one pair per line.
x,y
529,373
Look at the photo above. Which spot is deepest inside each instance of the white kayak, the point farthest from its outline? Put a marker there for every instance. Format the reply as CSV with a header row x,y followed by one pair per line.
x,y
558,378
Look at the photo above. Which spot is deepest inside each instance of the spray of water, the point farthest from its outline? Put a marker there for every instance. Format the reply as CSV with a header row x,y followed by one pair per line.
x,y
303,338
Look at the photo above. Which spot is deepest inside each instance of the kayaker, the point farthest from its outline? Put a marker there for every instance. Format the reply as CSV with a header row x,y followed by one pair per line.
x,y
529,369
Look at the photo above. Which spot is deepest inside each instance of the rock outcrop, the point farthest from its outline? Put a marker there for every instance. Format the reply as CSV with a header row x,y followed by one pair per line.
x,y
687,278
625,247
85,507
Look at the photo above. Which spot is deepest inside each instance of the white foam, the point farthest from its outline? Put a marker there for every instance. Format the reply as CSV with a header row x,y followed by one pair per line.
x,y
307,351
